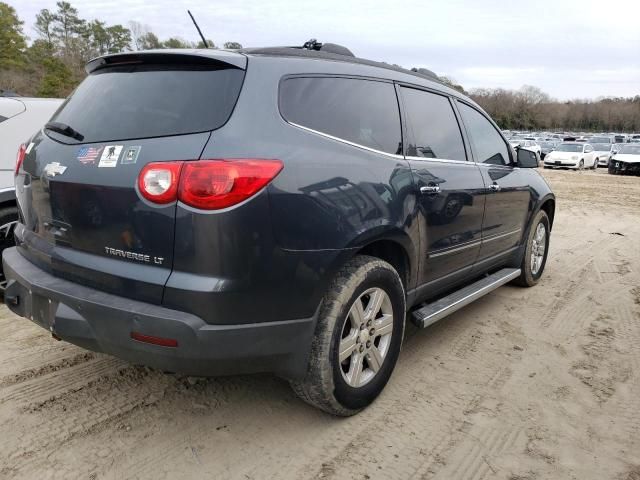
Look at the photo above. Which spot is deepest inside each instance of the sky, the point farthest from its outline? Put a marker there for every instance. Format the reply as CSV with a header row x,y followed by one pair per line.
x,y
568,48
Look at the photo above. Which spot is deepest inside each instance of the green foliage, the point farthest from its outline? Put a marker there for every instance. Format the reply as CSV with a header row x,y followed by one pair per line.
x,y
58,80
531,109
232,45
209,44
149,41
54,62
12,41
175,42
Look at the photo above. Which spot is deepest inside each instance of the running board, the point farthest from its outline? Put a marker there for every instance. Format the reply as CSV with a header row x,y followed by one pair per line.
x,y
432,312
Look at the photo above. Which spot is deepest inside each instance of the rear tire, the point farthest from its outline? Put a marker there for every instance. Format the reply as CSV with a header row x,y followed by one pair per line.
x,y
8,220
536,251
341,387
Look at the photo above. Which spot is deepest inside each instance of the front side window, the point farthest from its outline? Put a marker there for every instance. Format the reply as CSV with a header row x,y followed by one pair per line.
x,y
432,128
488,145
364,112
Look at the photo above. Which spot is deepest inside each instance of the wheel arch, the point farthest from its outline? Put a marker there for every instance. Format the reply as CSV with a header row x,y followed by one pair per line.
x,y
392,252
549,206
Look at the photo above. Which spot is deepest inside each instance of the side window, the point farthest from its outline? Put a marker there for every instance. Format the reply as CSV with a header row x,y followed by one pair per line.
x,y
359,111
488,145
432,128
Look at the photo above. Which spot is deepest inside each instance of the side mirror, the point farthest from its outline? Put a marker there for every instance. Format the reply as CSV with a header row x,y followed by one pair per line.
x,y
527,159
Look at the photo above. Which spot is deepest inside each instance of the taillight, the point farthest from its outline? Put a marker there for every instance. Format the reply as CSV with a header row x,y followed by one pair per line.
x,y
216,184
206,184
158,182
22,151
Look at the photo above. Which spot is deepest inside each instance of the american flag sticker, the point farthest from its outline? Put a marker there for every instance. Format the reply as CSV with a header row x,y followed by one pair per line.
x,y
88,155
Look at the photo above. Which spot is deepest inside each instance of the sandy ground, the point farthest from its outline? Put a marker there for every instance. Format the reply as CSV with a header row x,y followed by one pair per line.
x,y
524,384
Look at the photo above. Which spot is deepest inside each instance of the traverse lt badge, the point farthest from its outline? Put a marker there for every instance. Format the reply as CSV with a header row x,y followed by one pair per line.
x,y
54,168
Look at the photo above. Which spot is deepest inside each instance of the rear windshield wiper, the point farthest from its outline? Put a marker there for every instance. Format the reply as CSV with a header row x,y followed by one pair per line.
x,y
64,129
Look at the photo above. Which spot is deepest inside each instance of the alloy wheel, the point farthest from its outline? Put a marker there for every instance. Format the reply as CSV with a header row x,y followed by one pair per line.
x,y
538,248
366,337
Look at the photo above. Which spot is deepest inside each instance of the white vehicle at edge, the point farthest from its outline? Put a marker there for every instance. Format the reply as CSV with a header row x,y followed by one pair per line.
x,y
576,155
20,117
603,152
627,160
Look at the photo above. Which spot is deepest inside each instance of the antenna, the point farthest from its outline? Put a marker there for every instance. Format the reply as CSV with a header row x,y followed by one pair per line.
x,y
204,40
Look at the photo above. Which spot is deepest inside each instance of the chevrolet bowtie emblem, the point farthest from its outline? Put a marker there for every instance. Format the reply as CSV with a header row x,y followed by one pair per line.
x,y
53,169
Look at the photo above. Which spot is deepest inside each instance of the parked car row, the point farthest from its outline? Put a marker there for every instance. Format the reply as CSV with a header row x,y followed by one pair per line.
x,y
579,151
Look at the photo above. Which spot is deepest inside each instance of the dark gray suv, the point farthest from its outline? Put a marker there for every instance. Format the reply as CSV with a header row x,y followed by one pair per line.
x,y
281,209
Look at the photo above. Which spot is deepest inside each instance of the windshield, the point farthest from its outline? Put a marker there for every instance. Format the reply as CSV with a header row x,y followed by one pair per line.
x,y
601,140
142,101
630,150
546,144
569,147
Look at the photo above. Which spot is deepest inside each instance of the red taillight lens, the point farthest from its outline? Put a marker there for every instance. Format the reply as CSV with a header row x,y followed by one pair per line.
x,y
206,184
216,184
158,182
22,151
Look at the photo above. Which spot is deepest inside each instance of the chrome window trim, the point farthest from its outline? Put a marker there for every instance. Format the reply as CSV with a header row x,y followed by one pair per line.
x,y
347,142
491,165
442,160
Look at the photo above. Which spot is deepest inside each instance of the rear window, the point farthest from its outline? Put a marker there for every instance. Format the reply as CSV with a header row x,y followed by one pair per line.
x,y
363,112
142,101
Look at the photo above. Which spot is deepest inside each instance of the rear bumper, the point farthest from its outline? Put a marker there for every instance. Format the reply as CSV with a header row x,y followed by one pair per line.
x,y
104,322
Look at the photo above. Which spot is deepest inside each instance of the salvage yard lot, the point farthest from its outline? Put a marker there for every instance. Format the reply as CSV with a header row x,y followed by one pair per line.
x,y
524,384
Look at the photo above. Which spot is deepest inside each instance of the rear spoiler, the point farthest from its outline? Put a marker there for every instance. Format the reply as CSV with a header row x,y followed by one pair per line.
x,y
175,56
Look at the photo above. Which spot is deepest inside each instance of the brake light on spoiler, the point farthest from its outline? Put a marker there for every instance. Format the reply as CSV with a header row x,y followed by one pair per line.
x,y
206,184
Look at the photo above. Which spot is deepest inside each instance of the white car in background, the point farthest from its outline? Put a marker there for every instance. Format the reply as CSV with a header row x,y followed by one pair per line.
x,y
527,144
626,160
19,119
604,152
576,155
532,145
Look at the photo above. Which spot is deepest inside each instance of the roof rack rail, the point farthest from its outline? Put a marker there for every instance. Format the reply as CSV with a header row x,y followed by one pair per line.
x,y
425,72
313,44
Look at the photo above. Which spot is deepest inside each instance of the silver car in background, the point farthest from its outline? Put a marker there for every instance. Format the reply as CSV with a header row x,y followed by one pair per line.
x,y
20,118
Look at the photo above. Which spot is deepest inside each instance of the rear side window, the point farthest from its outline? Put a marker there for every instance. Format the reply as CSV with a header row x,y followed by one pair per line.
x,y
488,145
364,112
142,101
432,128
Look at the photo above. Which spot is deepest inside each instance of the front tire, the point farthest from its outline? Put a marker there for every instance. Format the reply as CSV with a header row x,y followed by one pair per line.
x,y
357,340
536,251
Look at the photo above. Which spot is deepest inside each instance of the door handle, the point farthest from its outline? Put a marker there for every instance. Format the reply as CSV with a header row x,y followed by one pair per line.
x,y
430,189
494,187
